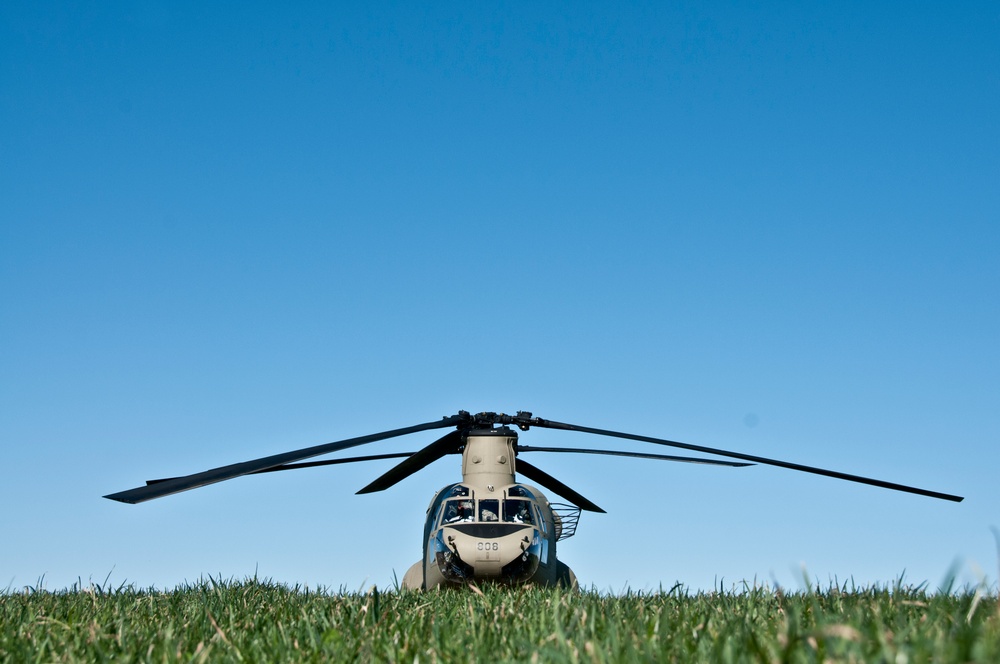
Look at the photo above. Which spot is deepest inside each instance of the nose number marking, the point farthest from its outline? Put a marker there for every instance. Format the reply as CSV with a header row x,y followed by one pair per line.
x,y
488,551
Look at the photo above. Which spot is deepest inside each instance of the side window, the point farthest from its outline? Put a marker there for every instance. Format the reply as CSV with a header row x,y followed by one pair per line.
x,y
437,512
541,521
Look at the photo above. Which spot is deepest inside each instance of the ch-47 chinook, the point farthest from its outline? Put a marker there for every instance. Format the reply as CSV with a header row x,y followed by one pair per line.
x,y
488,527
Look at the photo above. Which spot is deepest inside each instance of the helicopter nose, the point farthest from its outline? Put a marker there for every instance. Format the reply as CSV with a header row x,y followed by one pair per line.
x,y
524,565
465,551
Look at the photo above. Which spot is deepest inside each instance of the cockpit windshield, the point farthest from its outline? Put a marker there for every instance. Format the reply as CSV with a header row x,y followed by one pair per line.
x,y
465,510
517,511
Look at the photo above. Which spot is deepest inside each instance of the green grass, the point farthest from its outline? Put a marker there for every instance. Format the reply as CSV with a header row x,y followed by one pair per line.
x,y
261,621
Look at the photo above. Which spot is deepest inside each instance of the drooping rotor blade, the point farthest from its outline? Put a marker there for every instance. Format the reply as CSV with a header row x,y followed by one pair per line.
x,y
312,464
178,484
555,486
747,457
446,444
638,455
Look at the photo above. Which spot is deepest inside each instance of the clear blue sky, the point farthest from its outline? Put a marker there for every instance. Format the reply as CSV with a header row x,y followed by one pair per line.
x,y
231,231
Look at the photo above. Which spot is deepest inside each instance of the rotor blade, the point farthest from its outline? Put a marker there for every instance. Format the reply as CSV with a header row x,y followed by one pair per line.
x,y
446,444
640,455
312,464
554,485
747,457
178,484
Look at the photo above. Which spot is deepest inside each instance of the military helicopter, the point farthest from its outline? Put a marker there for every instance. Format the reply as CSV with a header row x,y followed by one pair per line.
x,y
489,527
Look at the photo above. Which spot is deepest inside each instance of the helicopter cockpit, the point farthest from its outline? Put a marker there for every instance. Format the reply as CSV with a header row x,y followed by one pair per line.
x,y
516,506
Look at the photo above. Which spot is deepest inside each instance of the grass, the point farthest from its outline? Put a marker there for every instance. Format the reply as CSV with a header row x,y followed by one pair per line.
x,y
256,621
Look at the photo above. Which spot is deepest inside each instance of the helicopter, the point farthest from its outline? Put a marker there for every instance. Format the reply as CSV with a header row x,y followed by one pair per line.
x,y
489,527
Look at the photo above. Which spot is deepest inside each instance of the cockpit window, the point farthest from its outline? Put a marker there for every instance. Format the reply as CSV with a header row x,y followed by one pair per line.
x,y
489,510
519,492
463,510
517,511
540,520
458,490
457,511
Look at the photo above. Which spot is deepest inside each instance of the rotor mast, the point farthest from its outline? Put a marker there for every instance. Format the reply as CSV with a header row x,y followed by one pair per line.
x,y
488,457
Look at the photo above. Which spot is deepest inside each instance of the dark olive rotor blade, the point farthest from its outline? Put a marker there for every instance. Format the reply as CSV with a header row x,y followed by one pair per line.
x,y
178,484
554,485
446,444
638,455
312,464
747,457
334,462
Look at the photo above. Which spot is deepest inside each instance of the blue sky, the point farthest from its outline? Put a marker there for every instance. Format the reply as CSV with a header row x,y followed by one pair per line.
x,y
236,230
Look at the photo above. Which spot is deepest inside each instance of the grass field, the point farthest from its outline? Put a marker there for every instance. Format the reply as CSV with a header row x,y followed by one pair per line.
x,y
256,621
